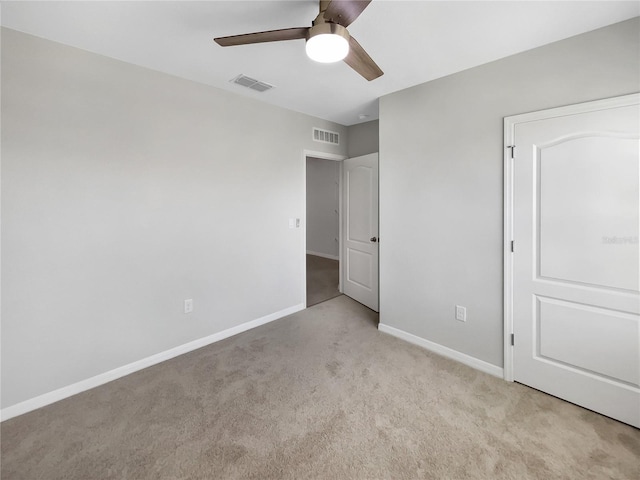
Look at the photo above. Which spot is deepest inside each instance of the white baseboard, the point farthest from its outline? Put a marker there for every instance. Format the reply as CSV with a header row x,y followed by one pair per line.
x,y
323,255
444,351
101,379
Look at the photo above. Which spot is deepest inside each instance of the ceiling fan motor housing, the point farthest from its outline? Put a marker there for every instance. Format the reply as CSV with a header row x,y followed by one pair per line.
x,y
328,28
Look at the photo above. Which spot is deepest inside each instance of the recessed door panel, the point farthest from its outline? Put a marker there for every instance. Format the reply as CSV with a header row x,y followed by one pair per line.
x,y
588,209
359,269
360,181
571,334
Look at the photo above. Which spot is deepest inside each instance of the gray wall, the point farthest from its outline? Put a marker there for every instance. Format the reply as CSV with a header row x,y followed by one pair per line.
x,y
441,181
363,139
126,191
322,206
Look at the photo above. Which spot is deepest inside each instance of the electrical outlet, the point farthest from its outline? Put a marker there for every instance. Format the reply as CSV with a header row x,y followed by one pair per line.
x,y
188,305
461,313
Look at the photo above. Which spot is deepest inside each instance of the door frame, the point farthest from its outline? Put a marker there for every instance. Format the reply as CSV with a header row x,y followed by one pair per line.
x,y
322,156
509,145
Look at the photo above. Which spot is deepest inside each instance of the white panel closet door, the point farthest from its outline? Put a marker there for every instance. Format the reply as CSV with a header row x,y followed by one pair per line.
x,y
575,265
360,242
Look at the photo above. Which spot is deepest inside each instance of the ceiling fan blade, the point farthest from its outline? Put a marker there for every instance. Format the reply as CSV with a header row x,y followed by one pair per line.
x,y
361,62
261,37
345,12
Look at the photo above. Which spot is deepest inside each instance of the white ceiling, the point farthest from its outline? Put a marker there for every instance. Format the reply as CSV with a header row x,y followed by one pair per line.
x,y
412,41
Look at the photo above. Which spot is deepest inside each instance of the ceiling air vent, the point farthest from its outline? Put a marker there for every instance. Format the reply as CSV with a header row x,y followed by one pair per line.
x,y
325,136
251,83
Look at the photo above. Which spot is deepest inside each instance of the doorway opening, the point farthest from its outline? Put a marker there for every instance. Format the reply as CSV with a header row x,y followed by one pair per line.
x,y
323,228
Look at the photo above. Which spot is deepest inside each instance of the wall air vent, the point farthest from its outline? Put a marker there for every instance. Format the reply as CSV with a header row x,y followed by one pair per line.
x,y
251,83
326,136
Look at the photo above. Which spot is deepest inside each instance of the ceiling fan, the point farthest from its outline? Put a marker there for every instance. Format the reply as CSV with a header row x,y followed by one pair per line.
x,y
327,40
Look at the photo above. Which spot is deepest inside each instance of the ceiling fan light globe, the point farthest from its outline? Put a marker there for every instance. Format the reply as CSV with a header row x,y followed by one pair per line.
x,y
327,42
327,48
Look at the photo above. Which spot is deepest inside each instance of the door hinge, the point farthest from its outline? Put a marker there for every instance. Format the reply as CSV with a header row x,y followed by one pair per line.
x,y
512,243
513,337
513,149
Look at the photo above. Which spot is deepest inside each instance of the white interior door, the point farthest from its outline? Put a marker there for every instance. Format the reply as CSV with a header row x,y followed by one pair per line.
x,y
360,230
575,260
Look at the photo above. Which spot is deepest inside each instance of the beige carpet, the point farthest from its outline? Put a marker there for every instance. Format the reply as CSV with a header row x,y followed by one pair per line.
x,y
317,395
323,278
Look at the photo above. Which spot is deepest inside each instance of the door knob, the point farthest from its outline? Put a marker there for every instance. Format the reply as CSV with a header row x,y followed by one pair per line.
x,y
373,239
